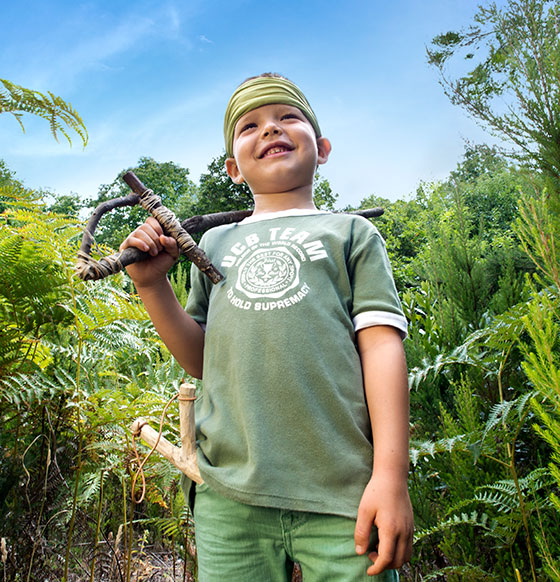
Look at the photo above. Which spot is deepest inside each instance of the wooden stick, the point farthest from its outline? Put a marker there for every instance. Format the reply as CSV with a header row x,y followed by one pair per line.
x,y
184,458
89,269
172,227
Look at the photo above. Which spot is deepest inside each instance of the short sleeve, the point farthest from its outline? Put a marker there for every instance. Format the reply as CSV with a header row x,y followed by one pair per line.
x,y
374,296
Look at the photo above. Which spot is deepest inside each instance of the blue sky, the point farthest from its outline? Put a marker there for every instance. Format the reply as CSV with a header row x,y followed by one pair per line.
x,y
152,78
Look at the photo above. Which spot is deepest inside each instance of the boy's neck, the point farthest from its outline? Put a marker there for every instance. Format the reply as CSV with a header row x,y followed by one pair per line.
x,y
266,203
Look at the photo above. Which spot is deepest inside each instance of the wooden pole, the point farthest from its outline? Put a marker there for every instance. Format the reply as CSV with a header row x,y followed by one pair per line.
x,y
88,269
184,457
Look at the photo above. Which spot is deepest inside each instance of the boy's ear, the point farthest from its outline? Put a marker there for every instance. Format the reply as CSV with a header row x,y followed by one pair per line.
x,y
233,171
323,150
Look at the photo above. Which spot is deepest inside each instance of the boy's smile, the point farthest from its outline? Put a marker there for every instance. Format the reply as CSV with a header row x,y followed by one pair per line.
x,y
275,148
276,151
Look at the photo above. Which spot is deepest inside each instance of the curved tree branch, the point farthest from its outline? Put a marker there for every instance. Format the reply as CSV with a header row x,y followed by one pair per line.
x,y
89,269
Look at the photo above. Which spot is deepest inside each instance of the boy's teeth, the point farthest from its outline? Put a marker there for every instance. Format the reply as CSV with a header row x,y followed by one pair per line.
x,y
276,150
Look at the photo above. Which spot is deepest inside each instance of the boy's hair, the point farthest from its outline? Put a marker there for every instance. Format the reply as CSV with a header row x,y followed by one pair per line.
x,y
264,89
266,76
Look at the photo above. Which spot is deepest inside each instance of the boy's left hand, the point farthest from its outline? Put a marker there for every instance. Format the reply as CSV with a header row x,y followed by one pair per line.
x,y
386,504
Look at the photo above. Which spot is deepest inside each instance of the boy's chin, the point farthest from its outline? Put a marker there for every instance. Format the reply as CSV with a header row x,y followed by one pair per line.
x,y
283,185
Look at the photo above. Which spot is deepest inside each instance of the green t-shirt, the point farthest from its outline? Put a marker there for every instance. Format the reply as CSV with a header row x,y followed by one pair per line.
x,y
282,419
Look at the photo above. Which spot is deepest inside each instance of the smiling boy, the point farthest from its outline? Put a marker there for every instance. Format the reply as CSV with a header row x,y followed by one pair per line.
x,y
300,352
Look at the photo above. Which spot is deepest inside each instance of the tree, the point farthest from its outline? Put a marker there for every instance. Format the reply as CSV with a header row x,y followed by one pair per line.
x,y
12,190
217,192
323,196
18,100
66,204
6,175
512,82
168,180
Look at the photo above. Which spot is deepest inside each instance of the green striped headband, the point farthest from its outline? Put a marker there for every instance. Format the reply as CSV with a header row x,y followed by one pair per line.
x,y
261,91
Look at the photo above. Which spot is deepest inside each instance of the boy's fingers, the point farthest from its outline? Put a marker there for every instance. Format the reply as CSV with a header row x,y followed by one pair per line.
x,y
390,556
384,558
136,240
379,566
145,237
404,551
170,245
156,226
362,532
149,238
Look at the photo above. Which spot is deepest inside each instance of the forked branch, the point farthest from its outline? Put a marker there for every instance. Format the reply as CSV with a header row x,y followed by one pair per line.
x,y
89,269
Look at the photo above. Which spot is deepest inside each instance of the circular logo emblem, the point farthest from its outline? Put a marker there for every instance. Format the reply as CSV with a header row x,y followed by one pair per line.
x,y
268,273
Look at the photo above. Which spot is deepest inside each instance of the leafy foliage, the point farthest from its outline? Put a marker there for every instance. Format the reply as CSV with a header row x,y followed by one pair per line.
x,y
18,101
469,371
81,362
476,261
217,193
513,59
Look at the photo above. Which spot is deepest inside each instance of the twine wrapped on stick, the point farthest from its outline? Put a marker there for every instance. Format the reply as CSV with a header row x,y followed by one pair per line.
x,y
88,269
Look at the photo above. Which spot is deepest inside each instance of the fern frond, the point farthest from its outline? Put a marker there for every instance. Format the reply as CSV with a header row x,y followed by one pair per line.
x,y
166,526
502,502
18,100
460,355
473,519
502,413
482,349
467,572
90,484
21,390
420,449
503,495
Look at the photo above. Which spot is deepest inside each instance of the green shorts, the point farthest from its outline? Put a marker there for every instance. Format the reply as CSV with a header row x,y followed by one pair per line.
x,y
244,543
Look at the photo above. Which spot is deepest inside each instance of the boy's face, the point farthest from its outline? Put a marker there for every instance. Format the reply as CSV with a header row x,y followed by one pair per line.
x,y
275,150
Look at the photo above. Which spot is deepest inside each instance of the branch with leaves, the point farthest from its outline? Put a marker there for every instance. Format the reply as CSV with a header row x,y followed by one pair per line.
x,y
61,116
509,77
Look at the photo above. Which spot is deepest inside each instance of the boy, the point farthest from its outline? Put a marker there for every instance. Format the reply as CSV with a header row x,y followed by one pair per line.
x,y
301,347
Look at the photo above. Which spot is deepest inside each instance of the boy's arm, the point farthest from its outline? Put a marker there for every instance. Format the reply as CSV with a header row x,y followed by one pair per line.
x,y
182,335
386,502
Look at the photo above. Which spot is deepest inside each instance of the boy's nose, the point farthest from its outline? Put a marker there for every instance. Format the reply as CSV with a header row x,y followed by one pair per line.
x,y
271,129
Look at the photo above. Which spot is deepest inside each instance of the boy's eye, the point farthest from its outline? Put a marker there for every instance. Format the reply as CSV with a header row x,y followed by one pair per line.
x,y
290,116
247,126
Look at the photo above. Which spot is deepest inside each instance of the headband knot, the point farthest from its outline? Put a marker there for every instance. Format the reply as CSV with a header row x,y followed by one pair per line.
x,y
261,91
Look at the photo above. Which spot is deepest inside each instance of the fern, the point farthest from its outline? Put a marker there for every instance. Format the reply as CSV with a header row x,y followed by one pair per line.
x,y
18,100
468,572
418,449
31,243
481,349
473,519
503,494
24,390
506,412
179,282
476,442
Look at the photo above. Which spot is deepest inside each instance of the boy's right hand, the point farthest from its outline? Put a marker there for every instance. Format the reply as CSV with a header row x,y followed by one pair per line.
x,y
163,249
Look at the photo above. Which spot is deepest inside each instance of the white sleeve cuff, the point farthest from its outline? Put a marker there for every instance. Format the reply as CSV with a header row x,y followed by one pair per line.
x,y
371,318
